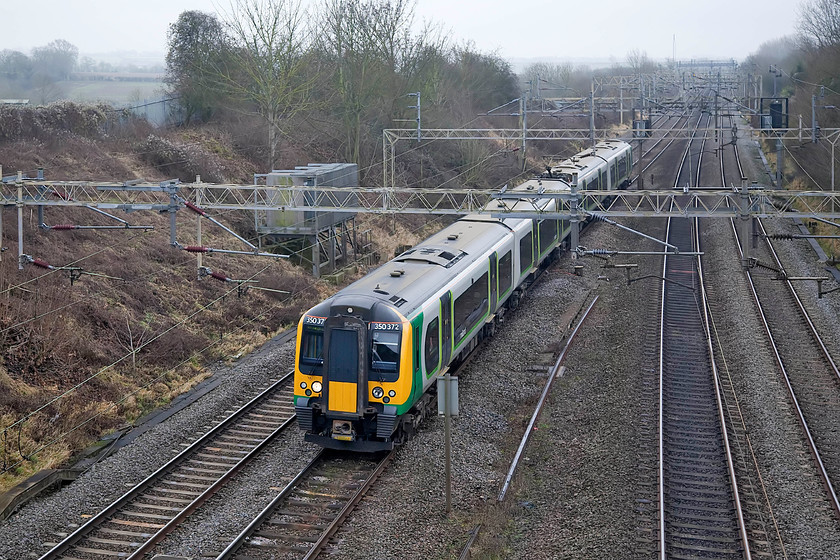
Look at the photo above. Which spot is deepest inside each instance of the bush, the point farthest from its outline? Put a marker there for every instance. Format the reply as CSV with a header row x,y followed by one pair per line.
x,y
18,123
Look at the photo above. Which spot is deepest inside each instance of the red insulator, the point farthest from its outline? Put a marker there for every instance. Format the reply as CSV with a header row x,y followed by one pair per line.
x,y
220,276
63,226
42,264
194,208
196,249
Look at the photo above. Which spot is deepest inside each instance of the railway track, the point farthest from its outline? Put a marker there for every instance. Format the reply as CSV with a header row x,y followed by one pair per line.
x,y
299,521
699,504
809,372
132,525
697,511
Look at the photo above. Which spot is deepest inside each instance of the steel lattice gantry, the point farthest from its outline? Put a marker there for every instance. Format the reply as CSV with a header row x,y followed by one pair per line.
x,y
394,135
708,201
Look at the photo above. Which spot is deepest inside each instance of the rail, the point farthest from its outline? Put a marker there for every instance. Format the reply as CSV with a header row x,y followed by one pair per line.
x,y
170,494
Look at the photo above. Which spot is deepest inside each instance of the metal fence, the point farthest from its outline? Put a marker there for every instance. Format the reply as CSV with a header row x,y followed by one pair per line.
x,y
160,112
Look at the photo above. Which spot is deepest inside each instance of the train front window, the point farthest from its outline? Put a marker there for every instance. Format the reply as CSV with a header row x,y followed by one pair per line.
x,y
385,355
344,356
311,350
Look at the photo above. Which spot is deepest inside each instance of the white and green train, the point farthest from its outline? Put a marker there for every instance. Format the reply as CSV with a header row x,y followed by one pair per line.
x,y
368,357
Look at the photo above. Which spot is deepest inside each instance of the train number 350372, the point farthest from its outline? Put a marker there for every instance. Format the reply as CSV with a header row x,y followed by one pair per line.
x,y
385,326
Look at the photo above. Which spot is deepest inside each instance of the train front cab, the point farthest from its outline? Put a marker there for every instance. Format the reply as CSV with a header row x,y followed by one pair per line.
x,y
360,368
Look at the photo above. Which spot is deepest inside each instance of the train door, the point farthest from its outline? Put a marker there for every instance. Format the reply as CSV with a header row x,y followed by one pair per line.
x,y
446,328
494,284
345,365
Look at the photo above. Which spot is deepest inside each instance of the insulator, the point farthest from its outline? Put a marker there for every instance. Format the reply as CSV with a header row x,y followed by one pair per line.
x,y
220,276
780,236
42,264
194,208
196,249
601,252
599,218
63,226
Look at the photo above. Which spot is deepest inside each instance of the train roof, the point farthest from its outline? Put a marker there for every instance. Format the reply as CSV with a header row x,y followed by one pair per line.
x,y
592,158
410,279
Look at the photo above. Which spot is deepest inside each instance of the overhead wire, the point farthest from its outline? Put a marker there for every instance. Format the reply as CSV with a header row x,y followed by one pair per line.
x,y
203,308
113,405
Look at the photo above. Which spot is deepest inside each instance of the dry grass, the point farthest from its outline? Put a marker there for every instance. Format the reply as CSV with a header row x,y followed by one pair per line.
x,y
54,336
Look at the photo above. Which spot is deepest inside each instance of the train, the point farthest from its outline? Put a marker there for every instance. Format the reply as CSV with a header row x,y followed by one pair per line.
x,y
367,358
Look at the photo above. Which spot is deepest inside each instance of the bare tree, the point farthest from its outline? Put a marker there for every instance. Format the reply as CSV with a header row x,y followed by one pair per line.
x,y
376,61
819,23
132,340
639,62
266,63
57,59
548,76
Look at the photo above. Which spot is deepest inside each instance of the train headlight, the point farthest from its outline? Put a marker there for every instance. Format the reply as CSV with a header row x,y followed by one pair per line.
x,y
316,386
378,392
303,384
392,393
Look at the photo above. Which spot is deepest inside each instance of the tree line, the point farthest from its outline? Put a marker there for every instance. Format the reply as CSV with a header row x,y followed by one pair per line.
x,y
46,65
343,70
805,65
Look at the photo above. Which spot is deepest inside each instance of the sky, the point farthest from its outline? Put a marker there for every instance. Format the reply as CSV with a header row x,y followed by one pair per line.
x,y
524,29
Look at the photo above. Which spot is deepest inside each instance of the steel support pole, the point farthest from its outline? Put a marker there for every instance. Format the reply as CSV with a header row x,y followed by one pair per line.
x,y
200,262
173,208
592,113
332,232
621,104
745,224
524,127
574,239
20,219
780,162
316,257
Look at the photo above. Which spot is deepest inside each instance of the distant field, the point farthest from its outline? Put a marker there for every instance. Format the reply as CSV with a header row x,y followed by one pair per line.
x,y
114,92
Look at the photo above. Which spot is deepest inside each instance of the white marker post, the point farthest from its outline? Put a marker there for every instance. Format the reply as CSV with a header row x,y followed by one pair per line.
x,y
448,406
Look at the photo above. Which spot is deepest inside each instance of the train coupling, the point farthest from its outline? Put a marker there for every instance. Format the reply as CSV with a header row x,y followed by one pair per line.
x,y
343,430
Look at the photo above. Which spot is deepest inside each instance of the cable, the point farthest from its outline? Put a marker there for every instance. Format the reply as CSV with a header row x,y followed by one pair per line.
x,y
55,270
102,370
203,308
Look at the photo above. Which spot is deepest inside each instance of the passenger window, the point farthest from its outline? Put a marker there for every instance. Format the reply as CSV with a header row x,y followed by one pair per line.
x,y
470,307
548,232
526,253
505,272
432,346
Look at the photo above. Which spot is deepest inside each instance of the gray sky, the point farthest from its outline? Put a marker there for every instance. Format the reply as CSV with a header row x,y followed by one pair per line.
x,y
518,29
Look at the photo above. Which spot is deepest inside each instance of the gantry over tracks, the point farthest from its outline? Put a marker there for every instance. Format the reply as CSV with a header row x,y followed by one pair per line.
x,y
169,196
